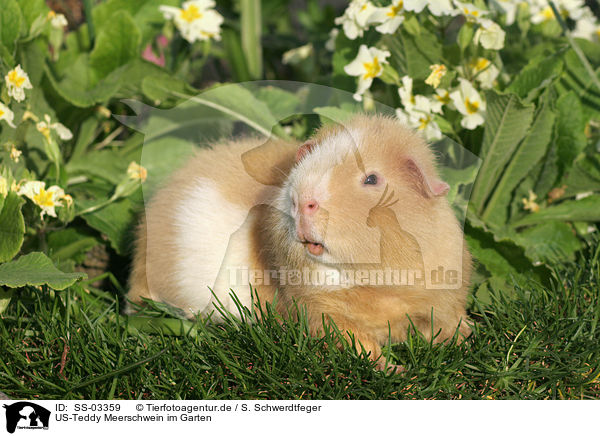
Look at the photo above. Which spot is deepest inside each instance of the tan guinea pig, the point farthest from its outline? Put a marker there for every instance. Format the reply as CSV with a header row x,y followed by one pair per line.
x,y
354,224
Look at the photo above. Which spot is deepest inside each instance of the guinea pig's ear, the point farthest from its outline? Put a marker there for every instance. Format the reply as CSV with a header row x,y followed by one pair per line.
x,y
428,185
304,149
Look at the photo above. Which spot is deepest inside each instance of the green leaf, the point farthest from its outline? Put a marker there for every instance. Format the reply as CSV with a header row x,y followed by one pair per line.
x,y
12,227
10,23
584,176
571,138
465,35
282,104
115,221
70,244
335,114
553,241
5,296
116,44
531,150
507,121
537,75
586,209
80,86
577,79
36,269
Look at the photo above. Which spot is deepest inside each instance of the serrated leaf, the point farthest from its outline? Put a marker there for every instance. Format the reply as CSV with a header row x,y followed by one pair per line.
x,y
531,150
536,76
586,209
570,136
12,227
36,269
507,121
116,44
5,296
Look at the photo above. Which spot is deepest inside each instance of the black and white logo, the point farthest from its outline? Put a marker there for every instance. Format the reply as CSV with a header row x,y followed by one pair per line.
x,y
26,416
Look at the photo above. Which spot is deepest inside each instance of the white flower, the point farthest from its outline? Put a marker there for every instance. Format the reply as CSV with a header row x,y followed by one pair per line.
x,y
330,44
58,21
470,11
442,97
297,55
46,199
367,65
44,127
509,9
17,81
196,20
7,115
469,103
405,92
441,7
390,17
490,35
437,72
481,70
587,28
357,18
420,117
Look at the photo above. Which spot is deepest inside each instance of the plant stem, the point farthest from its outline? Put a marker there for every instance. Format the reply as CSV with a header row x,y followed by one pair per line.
x,y
87,6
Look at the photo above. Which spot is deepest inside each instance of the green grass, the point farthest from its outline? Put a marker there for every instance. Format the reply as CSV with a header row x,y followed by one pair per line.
x,y
542,343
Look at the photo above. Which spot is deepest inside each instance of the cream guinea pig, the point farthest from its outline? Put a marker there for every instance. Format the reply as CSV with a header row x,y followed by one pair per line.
x,y
354,224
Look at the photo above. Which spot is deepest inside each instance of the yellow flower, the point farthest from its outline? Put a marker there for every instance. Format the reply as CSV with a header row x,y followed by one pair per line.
x,y
46,199
137,172
15,154
3,187
17,81
437,72
529,203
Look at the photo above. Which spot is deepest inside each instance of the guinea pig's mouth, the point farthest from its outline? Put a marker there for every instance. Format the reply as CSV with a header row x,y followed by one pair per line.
x,y
314,248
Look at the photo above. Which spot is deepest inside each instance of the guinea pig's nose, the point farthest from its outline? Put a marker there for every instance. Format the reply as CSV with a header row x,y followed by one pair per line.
x,y
309,207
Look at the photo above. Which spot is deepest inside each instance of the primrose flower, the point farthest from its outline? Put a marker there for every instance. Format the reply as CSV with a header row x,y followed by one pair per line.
x,y
137,172
15,154
437,72
470,11
297,55
357,17
441,7
390,17
196,20
529,203
367,65
469,103
483,71
406,94
490,35
46,199
17,81
44,127
7,115
420,117
58,21
587,28
509,9
330,44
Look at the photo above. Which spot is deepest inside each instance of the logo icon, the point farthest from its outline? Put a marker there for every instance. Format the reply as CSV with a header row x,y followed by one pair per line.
x,y
26,415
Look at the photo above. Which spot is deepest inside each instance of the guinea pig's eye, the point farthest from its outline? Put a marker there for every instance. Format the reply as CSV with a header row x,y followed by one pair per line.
x,y
371,180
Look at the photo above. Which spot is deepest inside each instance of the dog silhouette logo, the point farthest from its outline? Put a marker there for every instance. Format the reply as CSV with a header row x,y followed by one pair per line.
x,y
26,415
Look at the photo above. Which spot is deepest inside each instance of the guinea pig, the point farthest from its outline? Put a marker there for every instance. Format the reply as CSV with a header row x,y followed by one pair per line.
x,y
353,226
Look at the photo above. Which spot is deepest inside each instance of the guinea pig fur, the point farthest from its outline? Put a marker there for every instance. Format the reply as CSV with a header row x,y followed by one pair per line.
x,y
354,225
